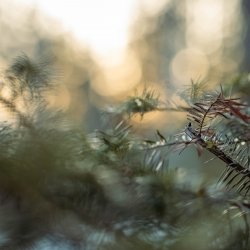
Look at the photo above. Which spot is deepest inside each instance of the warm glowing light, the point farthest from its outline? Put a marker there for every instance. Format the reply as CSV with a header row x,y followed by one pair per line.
x,y
101,25
207,16
189,63
118,77
205,24
61,99
213,27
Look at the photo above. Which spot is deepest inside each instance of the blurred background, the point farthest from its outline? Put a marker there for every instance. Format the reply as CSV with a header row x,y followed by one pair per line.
x,y
105,50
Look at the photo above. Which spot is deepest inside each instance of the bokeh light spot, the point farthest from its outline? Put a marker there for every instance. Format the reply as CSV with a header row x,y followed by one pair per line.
x,y
189,63
118,77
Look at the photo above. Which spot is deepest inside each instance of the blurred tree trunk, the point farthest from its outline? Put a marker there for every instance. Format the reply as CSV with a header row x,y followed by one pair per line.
x,y
246,17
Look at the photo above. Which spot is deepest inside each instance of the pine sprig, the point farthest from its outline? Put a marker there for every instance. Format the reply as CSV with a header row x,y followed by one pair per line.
x,y
234,152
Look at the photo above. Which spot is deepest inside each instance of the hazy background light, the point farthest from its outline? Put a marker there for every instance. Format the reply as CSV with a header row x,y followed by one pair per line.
x,y
189,62
117,78
103,26
205,24
108,49
212,27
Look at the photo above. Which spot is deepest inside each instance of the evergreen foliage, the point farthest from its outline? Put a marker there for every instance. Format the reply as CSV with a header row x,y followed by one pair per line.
x,y
63,189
